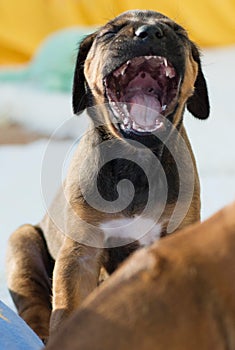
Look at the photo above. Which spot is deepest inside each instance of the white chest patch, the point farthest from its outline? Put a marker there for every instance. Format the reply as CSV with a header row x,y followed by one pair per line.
x,y
128,230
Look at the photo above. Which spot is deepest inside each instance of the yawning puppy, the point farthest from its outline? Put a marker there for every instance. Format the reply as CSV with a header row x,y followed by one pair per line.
x,y
133,178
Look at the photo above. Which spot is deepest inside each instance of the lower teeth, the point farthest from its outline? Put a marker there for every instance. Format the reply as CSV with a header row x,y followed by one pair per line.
x,y
127,124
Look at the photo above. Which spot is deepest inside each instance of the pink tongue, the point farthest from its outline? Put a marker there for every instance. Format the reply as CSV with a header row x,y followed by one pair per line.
x,y
144,109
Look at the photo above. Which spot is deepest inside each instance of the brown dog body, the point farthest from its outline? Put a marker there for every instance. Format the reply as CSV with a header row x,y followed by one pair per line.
x,y
140,71
177,294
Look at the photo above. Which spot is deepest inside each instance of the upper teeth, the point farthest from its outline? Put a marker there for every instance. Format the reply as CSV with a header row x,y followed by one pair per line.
x,y
148,57
161,60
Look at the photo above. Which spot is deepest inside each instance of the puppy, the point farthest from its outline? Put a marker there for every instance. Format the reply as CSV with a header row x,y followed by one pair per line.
x,y
176,294
133,178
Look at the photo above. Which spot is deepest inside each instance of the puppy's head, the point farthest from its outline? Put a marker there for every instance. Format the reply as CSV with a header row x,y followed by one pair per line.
x,y
141,69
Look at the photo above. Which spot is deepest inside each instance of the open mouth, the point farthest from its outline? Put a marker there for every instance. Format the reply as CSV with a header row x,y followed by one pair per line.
x,y
142,93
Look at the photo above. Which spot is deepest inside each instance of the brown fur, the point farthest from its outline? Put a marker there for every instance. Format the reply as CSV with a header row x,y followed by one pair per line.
x,y
62,254
177,294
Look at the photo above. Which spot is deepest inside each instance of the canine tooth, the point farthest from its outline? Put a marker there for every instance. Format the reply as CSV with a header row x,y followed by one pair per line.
x,y
164,107
123,70
169,72
165,61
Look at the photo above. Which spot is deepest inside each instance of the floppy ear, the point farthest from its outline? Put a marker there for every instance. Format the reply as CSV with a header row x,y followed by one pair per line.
x,y
79,89
198,103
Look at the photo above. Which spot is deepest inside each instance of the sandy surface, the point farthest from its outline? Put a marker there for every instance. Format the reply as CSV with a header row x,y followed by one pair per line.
x,y
16,134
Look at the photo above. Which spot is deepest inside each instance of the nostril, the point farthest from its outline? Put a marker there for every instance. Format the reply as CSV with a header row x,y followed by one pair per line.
x,y
141,32
143,35
159,33
149,32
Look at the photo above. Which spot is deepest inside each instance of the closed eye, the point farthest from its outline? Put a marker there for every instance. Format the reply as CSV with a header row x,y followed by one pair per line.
x,y
177,29
110,32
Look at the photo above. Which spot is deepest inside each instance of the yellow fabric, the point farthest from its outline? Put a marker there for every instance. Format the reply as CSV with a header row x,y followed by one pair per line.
x,y
25,23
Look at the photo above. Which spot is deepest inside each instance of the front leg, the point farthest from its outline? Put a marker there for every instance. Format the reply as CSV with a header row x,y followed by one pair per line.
x,y
75,275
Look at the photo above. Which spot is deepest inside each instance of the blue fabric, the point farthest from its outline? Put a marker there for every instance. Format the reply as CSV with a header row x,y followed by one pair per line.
x,y
15,334
53,65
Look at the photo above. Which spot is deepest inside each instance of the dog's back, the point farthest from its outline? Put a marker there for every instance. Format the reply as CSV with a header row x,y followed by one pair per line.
x,y
178,294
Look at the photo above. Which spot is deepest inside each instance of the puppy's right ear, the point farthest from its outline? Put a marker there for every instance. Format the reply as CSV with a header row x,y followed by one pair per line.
x,y
79,88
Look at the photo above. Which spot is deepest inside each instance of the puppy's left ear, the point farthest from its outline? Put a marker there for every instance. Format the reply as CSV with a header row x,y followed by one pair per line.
x,y
79,89
198,103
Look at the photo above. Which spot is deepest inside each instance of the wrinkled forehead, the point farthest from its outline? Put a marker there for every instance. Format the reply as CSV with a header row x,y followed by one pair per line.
x,y
135,16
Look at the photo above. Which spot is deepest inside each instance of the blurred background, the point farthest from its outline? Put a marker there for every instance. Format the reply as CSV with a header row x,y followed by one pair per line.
x,y
38,47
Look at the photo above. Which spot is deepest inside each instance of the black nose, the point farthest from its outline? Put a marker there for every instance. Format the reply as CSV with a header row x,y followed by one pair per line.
x,y
149,32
